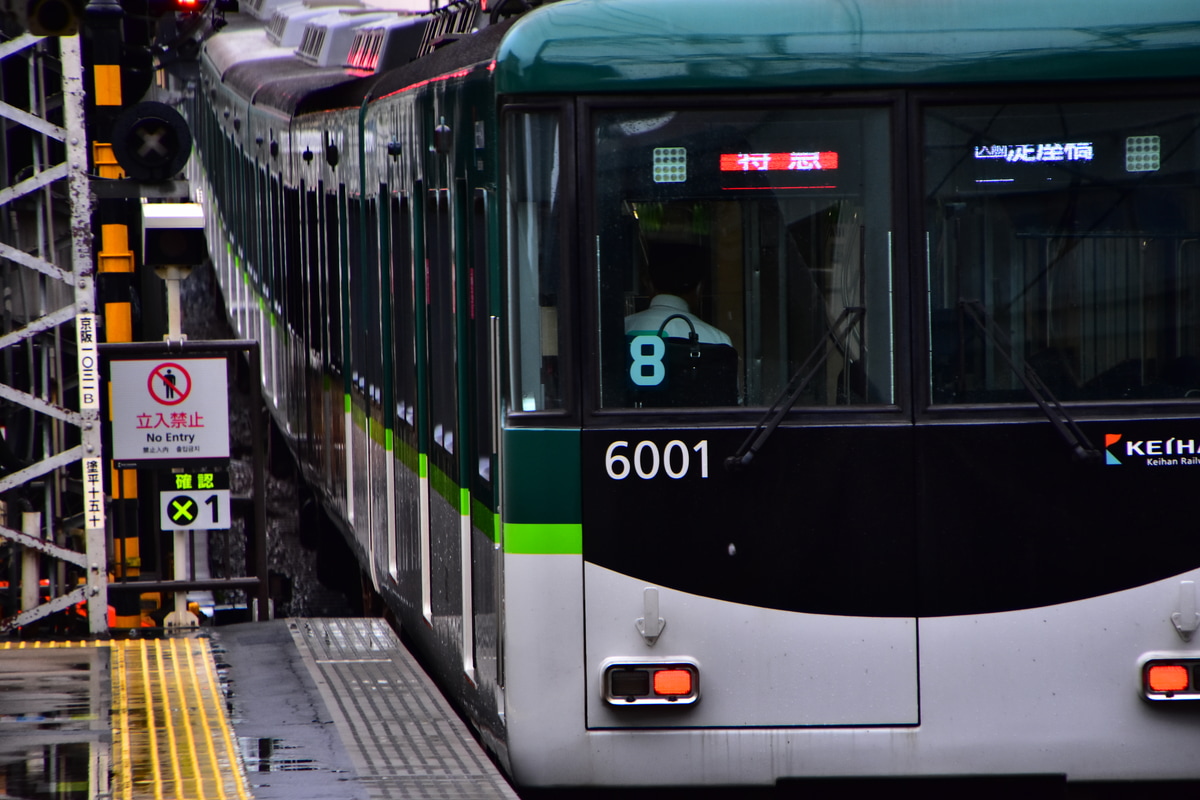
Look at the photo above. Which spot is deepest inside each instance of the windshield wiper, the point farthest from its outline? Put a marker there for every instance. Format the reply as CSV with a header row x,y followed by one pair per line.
x,y
838,332
1064,423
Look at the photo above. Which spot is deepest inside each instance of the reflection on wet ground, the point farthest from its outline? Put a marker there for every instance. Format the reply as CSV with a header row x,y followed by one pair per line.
x,y
123,720
272,755
54,723
120,720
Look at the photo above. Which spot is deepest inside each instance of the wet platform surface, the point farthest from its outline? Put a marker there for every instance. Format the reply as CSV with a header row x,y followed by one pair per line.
x,y
121,719
335,709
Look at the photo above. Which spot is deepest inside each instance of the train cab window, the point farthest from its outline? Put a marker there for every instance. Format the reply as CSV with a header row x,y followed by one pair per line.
x,y
535,242
740,250
1064,238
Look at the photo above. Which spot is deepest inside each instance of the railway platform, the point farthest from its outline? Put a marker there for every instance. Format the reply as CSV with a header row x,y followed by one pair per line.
x,y
295,708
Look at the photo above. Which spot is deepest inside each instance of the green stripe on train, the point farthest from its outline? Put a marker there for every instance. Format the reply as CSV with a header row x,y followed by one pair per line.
x,y
547,539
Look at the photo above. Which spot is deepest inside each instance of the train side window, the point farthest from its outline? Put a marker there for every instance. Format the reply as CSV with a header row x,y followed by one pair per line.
x,y
256,248
243,227
739,250
333,281
404,314
373,300
294,262
1072,230
357,275
312,271
534,239
481,350
442,323
278,256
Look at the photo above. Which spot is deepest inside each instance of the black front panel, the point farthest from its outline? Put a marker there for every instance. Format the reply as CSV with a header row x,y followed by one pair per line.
x,y
992,517
821,522
1010,520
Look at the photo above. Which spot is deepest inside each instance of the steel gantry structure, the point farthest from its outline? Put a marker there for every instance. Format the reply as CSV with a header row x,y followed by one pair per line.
x,y
51,468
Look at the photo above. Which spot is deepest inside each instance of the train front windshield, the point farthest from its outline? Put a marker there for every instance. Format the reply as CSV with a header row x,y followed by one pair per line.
x,y
1061,233
739,250
736,247
1074,226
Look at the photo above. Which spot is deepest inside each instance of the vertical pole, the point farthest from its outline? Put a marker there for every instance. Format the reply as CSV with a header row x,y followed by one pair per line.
x,y
31,525
173,276
115,265
257,436
182,573
85,301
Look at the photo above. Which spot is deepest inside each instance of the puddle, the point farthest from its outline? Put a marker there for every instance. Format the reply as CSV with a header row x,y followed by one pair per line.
x,y
53,723
58,771
272,755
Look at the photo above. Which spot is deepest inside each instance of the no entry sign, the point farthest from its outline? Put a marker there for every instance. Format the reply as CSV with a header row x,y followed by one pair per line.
x,y
169,383
169,409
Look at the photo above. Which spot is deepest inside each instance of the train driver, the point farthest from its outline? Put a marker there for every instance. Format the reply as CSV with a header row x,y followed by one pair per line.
x,y
675,279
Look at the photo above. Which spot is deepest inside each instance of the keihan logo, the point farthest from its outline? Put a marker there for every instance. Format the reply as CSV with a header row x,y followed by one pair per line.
x,y
1171,452
1109,440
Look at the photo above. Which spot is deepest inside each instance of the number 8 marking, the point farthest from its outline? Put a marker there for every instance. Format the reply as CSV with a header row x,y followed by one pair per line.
x,y
642,360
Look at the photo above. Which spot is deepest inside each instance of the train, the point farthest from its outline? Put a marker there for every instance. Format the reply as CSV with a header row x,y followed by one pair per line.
x,y
742,393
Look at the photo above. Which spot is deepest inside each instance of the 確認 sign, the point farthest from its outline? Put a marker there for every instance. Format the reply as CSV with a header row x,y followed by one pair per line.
x,y
169,409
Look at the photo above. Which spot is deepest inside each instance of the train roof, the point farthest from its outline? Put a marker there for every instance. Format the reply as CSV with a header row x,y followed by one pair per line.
x,y
684,45
284,79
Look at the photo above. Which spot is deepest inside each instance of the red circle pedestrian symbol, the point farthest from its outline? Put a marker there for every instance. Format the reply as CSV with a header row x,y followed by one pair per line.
x,y
169,384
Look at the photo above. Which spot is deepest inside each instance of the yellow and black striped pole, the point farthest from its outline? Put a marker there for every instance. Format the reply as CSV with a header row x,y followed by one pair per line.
x,y
115,271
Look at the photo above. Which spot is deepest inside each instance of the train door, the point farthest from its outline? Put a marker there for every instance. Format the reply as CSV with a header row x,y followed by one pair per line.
x,y
482,407
338,390
358,473
410,497
442,554
330,455
376,487
454,363
385,496
463,311
748,503
314,325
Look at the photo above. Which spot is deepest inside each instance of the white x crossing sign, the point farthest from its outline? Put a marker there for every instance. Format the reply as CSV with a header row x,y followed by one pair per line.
x,y
205,510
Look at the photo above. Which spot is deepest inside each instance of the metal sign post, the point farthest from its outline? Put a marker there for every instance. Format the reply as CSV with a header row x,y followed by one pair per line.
x,y
170,408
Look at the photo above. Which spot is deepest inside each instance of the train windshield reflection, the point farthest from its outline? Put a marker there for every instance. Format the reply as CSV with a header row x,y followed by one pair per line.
x,y
1077,227
729,242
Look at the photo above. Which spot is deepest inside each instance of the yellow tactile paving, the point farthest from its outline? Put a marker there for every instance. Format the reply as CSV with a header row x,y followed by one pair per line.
x,y
171,739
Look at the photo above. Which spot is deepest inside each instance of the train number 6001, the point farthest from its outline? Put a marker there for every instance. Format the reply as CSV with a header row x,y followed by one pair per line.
x,y
648,461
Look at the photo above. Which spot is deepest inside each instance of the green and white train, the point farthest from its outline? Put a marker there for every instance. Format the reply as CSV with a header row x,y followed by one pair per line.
x,y
916,499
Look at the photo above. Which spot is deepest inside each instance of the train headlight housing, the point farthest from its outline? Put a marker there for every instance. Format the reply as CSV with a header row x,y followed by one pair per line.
x,y
657,683
1171,678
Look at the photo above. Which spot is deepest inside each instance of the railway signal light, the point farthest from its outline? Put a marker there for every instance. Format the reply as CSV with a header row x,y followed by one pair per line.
x,y
160,8
151,141
47,17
